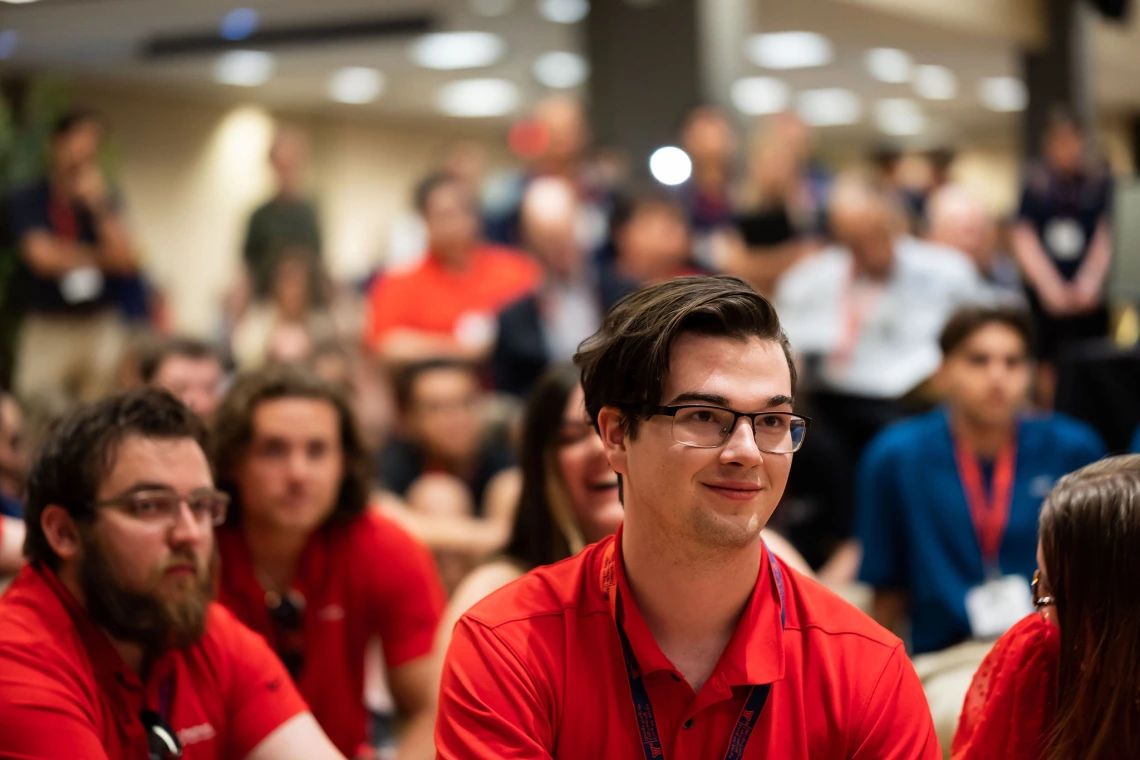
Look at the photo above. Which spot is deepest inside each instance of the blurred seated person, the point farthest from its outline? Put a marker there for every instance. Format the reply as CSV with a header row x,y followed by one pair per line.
x,y
948,501
1063,244
190,369
865,314
73,247
442,463
286,223
1061,683
110,644
709,139
307,564
272,329
651,239
569,499
547,325
956,219
446,306
13,457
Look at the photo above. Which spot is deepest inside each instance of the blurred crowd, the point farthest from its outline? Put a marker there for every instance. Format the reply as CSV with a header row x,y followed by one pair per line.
x,y
927,333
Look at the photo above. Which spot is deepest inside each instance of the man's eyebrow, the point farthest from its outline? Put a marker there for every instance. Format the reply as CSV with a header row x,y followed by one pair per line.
x,y
144,485
718,400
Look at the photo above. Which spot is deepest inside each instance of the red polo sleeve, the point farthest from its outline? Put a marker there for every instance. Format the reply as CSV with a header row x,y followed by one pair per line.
x,y
386,311
404,592
43,713
258,692
489,706
896,724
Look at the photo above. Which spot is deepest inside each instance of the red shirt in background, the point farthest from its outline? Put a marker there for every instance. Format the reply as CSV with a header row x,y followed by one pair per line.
x,y
536,671
434,298
65,692
360,578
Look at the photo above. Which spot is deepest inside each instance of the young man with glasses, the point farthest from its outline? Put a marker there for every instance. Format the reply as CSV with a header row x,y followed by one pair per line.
x,y
307,564
683,636
110,646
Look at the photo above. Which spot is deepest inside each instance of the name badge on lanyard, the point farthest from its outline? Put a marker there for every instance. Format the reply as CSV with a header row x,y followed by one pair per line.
x,y
994,606
643,709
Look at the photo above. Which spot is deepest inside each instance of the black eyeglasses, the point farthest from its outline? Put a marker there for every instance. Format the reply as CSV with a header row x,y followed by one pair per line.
x,y
288,613
707,427
162,743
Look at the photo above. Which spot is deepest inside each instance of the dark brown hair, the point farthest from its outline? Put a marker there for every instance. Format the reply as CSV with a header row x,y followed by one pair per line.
x,y
969,319
1090,531
625,362
233,430
154,355
536,537
404,381
81,450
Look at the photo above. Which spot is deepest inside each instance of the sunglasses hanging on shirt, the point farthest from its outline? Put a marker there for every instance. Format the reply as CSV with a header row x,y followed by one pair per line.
x,y
162,742
288,613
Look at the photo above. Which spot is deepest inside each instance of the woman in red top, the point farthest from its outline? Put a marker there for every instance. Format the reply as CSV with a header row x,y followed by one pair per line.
x,y
1065,683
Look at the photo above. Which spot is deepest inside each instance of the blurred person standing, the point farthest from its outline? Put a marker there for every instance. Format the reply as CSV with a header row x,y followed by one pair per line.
x,y
1063,244
287,222
76,260
547,325
1061,683
13,457
307,564
446,306
110,644
709,139
190,369
866,312
955,218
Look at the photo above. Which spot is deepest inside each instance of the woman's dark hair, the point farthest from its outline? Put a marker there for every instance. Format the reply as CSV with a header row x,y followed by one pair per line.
x,y
537,538
1090,531
968,320
625,363
81,451
233,430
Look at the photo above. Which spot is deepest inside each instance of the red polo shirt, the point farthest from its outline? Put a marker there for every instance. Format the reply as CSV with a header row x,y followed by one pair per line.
x,y
536,671
65,692
362,578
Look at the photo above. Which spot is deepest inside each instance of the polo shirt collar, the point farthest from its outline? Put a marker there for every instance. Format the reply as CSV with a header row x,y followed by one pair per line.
x,y
755,653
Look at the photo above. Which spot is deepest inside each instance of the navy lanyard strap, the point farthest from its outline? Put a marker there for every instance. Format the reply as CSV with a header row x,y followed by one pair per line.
x,y
643,708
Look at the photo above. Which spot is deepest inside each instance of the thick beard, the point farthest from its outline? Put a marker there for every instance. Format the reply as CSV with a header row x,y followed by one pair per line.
x,y
145,619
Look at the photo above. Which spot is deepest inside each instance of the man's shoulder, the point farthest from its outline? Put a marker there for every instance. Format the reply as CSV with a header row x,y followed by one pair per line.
x,y
826,618
1060,431
372,532
37,191
907,436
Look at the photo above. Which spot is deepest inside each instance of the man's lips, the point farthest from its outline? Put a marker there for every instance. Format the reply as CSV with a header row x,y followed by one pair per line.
x,y
734,489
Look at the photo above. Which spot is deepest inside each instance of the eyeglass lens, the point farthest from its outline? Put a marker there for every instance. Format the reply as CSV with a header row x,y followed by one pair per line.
x,y
708,427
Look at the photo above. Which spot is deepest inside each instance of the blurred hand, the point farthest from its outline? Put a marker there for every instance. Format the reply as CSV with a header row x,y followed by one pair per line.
x,y
1058,300
1084,297
90,189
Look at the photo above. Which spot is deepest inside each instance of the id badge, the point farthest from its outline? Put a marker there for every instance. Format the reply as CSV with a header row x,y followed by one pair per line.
x,y
996,605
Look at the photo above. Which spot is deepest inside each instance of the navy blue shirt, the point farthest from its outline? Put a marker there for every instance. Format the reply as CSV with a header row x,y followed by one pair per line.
x,y
1065,211
11,507
915,524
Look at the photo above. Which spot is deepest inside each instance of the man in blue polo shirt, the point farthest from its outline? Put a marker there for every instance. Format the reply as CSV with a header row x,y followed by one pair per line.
x,y
947,502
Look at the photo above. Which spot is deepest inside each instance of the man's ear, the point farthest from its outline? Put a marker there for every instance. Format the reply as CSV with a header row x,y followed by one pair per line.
x,y
611,426
61,532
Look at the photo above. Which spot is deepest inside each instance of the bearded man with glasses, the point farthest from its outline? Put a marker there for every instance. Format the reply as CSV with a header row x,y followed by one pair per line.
x,y
683,636
110,644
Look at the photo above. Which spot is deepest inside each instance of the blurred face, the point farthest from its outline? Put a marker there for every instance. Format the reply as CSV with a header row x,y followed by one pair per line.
x,y
13,454
291,287
549,218
197,382
145,582
709,137
78,147
863,227
444,416
717,498
452,224
654,244
586,473
291,474
1064,148
987,377
288,158
966,227
565,126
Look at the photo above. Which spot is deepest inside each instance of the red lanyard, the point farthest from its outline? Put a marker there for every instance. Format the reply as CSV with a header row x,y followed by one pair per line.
x,y
990,517
63,220
646,722
855,308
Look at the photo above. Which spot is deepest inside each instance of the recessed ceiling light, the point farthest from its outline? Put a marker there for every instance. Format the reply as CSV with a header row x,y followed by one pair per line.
x,y
757,96
790,50
829,107
670,165
477,97
900,117
564,11
889,65
561,70
457,50
492,8
239,23
9,38
355,84
244,68
1004,94
17,2
935,82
